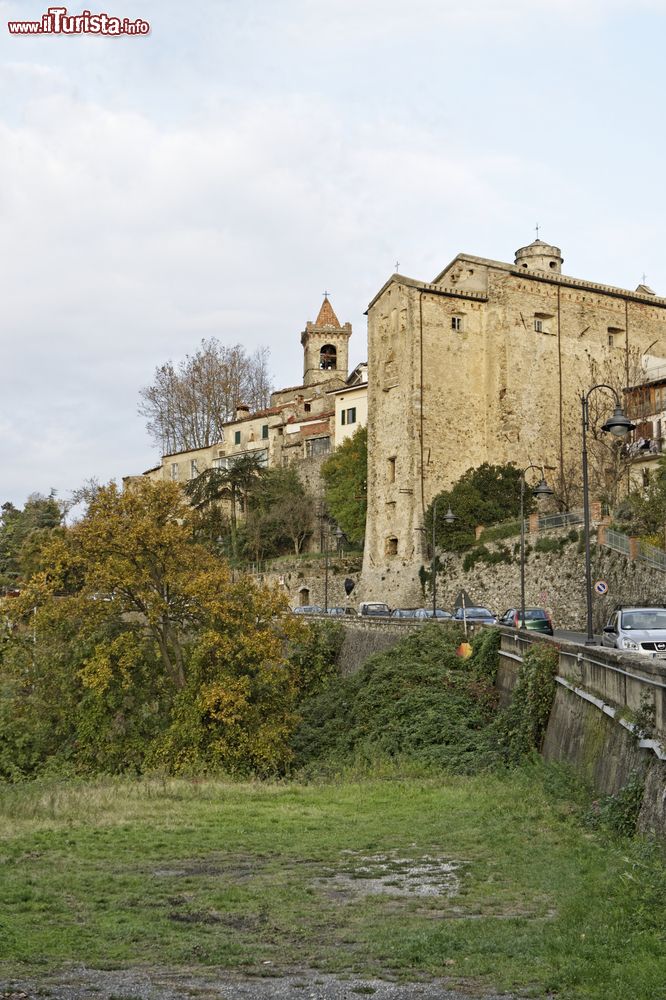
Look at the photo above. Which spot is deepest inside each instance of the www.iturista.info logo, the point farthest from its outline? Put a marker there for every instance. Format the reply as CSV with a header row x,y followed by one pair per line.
x,y
57,21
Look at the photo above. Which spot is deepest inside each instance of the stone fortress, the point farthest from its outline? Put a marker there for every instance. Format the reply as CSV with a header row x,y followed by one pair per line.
x,y
486,363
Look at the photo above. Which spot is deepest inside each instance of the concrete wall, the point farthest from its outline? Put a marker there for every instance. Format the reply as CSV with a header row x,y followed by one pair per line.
x,y
598,692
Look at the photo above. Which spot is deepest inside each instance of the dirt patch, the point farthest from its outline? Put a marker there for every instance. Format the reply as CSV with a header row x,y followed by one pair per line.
x,y
392,874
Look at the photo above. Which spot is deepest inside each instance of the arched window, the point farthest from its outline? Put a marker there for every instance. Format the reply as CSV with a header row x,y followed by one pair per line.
x,y
328,358
304,596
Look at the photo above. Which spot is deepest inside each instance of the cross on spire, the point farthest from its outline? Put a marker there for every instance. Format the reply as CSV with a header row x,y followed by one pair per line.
x,y
326,294
397,266
644,277
537,230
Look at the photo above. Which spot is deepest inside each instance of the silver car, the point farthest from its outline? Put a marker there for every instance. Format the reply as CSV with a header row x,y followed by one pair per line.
x,y
637,630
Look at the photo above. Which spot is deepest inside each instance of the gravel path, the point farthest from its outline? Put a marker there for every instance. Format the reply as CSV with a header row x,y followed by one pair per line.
x,y
90,984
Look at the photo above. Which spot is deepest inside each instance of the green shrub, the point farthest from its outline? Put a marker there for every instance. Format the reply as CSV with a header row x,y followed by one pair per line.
x,y
418,701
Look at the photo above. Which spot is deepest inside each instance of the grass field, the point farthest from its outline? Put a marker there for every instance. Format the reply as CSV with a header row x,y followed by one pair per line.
x,y
489,880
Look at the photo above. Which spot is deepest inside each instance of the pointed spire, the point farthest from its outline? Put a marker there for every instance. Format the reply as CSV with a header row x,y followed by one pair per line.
x,y
326,315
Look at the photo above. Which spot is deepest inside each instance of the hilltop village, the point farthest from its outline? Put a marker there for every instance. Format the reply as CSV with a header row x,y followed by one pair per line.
x,y
486,362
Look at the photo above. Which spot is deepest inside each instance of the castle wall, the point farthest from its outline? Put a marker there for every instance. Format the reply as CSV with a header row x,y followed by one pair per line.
x,y
487,369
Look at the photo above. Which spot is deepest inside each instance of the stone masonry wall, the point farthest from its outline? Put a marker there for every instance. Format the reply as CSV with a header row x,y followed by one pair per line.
x,y
554,580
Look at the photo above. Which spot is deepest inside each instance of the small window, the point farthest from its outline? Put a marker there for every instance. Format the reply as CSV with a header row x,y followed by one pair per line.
x,y
351,415
237,437
391,546
194,469
456,323
391,469
538,325
307,407
175,471
264,431
343,417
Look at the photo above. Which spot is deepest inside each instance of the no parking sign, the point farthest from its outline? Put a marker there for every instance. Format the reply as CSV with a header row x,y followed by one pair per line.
x,y
601,588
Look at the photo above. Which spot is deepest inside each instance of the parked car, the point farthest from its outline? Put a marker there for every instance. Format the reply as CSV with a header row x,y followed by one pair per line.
x,y
475,616
308,609
536,620
374,609
637,630
403,613
428,613
339,611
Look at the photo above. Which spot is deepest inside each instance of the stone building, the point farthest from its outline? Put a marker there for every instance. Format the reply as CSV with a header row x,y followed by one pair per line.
x,y
485,363
299,426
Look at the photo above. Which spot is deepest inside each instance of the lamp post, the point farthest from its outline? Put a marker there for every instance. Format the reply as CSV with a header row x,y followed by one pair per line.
x,y
449,517
619,425
541,490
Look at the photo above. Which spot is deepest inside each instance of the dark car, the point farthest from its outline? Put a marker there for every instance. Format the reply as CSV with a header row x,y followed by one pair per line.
x,y
475,616
308,609
536,620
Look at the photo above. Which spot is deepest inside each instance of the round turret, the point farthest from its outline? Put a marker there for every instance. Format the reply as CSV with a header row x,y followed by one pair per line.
x,y
539,256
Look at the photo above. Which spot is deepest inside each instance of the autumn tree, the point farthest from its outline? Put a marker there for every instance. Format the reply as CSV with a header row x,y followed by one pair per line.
x,y
345,475
187,405
156,658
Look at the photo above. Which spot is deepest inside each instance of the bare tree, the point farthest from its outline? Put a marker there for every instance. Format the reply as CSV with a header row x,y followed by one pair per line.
x,y
187,405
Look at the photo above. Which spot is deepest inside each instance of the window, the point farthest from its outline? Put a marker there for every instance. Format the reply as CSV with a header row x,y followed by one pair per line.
x,y
348,416
328,358
456,323
307,407
175,471
264,431
611,340
194,469
391,546
237,437
317,446
615,336
538,325
391,470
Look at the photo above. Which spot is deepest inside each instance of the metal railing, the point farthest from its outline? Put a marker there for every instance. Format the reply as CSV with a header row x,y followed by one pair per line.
x,y
616,541
570,517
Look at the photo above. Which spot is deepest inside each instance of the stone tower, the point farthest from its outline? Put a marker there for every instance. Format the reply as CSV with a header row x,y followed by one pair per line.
x,y
539,256
325,347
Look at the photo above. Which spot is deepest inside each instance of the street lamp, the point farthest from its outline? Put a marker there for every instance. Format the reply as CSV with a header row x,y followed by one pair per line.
x,y
449,517
541,490
619,425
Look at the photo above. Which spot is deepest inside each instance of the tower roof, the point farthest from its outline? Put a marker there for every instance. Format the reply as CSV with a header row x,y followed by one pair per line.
x,y
326,315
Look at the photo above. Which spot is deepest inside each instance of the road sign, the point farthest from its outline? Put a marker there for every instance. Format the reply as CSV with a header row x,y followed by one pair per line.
x,y
601,588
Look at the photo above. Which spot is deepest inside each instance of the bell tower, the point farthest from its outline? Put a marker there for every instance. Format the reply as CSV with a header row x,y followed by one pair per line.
x,y
325,347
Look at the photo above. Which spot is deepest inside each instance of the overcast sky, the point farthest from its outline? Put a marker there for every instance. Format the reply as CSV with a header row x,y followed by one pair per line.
x,y
216,175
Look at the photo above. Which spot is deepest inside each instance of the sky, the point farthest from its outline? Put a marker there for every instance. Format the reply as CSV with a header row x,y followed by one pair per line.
x,y
214,176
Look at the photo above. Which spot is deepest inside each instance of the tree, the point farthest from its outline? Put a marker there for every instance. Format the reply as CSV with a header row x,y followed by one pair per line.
x,y
485,495
233,484
281,516
345,476
157,658
23,534
188,404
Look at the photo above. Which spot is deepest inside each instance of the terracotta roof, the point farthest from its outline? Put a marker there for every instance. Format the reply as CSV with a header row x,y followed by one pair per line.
x,y
326,315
